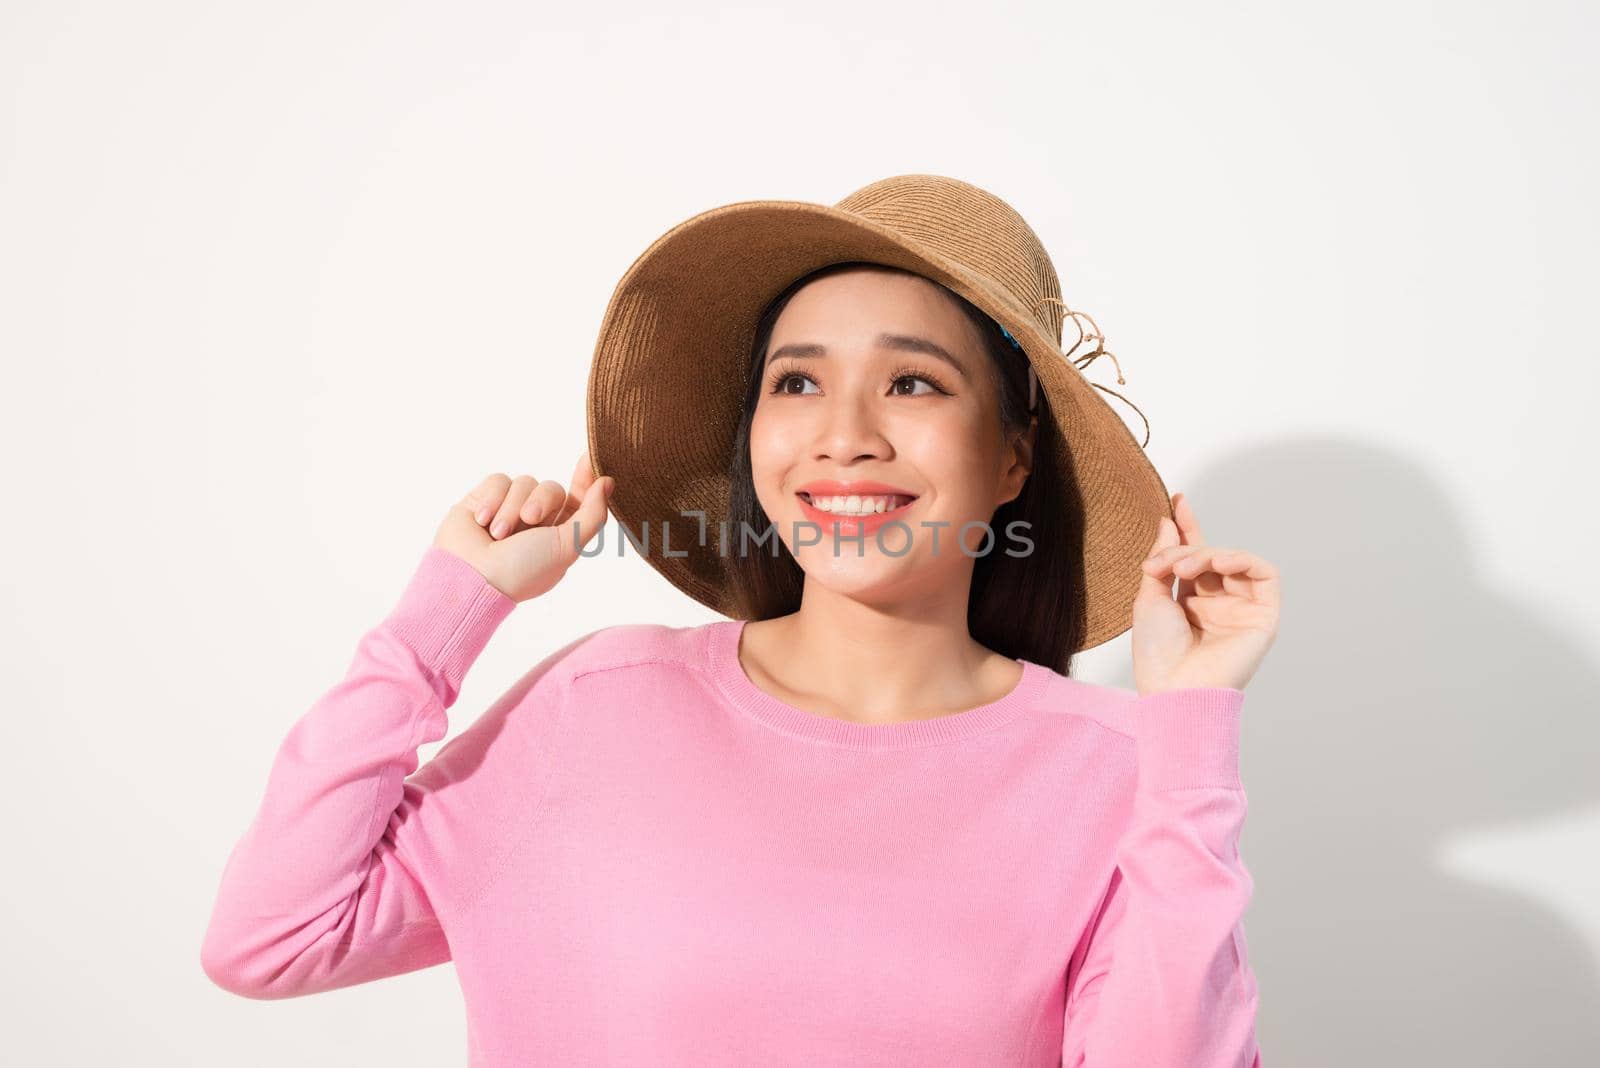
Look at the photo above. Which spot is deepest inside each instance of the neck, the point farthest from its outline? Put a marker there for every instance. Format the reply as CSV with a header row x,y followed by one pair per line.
x,y
878,663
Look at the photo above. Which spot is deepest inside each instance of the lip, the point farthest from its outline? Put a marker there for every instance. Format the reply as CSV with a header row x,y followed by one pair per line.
x,y
852,525
827,487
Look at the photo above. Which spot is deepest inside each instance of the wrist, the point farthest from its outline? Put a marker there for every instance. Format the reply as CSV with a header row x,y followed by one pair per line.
x,y
1189,737
447,614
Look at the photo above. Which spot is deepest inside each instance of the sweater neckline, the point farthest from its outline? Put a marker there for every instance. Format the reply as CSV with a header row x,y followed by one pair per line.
x,y
738,687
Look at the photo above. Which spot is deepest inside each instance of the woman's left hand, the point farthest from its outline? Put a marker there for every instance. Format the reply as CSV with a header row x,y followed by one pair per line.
x,y
1222,621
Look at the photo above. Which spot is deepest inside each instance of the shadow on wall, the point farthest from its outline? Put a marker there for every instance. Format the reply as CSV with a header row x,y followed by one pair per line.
x,y
1403,703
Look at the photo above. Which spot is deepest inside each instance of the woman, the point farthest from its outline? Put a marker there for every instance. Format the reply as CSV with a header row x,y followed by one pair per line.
x,y
855,824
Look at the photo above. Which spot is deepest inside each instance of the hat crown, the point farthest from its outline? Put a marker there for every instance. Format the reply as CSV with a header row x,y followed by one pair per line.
x,y
672,374
974,229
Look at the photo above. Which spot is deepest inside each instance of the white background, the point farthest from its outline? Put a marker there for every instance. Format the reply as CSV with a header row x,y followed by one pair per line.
x,y
281,281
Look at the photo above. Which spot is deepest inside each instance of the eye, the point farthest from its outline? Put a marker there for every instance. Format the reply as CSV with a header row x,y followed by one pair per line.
x,y
781,383
781,380
907,374
913,379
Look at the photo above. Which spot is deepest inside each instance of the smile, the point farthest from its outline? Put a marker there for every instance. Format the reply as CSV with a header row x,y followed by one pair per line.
x,y
858,504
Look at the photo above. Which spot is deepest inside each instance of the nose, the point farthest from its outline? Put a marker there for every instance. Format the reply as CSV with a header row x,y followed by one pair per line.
x,y
849,431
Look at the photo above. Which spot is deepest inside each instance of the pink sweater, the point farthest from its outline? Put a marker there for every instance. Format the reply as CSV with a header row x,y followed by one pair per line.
x,y
637,856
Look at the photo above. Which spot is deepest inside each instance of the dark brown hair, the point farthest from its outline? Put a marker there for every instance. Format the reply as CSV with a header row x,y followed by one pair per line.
x,y
1020,606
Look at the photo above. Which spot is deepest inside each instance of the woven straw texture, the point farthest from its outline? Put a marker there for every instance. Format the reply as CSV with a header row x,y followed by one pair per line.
x,y
668,376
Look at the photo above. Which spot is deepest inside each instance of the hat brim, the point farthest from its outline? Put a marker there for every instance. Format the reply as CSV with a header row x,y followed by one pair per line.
x,y
668,380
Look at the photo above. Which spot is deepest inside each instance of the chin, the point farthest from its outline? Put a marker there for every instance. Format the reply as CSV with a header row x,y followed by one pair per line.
x,y
864,577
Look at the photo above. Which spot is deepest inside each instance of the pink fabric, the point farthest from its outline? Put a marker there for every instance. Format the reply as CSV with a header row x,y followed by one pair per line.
x,y
635,855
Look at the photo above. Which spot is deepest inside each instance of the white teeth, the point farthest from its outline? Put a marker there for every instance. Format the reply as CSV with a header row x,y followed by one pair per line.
x,y
858,505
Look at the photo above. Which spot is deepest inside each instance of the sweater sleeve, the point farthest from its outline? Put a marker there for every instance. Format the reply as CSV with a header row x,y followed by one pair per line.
x,y
1162,978
324,888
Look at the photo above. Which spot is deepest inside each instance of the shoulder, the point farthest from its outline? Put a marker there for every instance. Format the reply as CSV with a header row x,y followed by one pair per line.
x,y
1075,702
626,646
625,654
1088,731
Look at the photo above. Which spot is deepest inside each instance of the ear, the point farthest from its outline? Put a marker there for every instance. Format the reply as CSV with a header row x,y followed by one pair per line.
x,y
1020,460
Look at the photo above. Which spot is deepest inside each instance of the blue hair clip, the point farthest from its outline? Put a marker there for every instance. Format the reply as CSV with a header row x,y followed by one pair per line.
x,y
1033,379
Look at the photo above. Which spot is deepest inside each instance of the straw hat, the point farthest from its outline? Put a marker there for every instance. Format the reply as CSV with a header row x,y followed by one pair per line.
x,y
668,380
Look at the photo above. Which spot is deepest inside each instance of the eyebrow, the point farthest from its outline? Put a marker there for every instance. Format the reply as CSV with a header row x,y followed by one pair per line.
x,y
898,342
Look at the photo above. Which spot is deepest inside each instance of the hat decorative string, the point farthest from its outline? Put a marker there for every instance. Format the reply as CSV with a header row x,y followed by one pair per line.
x,y
1081,361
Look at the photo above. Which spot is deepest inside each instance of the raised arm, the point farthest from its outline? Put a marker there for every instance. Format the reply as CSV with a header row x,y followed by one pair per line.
x,y
1162,978
323,890
353,853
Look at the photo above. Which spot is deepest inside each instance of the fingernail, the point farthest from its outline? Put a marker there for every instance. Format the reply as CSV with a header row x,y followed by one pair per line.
x,y
483,515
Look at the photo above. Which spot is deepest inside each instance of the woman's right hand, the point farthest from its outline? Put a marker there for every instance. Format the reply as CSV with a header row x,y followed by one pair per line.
x,y
522,534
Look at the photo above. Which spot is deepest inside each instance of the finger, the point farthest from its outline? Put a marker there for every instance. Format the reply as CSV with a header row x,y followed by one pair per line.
x,y
1154,580
1186,564
1191,562
1166,536
585,523
544,503
1197,574
1248,575
1201,559
505,519
484,498
1216,571
1225,562
1163,559
1188,522
1190,534
583,477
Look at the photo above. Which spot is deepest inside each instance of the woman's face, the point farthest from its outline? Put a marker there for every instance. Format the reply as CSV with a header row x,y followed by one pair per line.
x,y
856,400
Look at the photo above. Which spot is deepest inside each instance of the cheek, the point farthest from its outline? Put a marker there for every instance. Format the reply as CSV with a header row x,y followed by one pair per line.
x,y
948,454
773,446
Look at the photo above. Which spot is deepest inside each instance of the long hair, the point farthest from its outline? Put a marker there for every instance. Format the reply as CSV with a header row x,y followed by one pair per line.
x,y
1028,606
